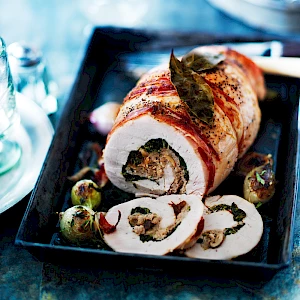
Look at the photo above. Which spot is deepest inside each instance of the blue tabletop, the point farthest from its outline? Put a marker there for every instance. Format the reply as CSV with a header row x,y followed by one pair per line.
x,y
61,29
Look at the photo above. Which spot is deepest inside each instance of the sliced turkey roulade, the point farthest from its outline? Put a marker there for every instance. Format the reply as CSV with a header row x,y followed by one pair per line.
x,y
232,227
155,226
183,127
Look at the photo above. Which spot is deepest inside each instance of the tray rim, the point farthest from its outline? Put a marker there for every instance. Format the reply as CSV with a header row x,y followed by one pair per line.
x,y
33,245
271,266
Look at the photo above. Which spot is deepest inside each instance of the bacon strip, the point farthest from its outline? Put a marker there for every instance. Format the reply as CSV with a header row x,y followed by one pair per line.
x,y
105,226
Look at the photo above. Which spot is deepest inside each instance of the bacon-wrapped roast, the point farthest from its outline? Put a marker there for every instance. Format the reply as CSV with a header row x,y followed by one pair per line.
x,y
165,140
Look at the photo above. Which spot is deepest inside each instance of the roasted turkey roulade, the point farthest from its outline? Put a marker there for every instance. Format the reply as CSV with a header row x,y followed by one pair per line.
x,y
183,126
156,226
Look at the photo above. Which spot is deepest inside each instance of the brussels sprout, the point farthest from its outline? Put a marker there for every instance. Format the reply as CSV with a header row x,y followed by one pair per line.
x,y
252,160
86,192
77,224
259,184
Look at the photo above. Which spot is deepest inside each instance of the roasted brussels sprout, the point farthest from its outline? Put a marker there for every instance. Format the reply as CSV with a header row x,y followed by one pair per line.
x,y
87,193
252,160
77,224
259,184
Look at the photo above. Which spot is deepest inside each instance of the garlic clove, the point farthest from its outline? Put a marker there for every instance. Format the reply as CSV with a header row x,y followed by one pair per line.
x,y
104,116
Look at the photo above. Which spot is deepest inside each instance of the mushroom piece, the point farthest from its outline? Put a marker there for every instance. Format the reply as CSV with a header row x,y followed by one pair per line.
x,y
155,226
212,238
232,227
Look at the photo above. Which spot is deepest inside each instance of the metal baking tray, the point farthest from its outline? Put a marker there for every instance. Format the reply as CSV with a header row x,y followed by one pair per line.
x,y
113,61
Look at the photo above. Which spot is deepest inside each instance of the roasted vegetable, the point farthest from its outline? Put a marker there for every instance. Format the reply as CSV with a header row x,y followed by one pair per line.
x,y
252,160
77,224
104,116
259,184
86,192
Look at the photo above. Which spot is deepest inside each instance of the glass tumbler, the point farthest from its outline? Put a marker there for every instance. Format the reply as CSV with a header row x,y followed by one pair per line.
x,y
10,151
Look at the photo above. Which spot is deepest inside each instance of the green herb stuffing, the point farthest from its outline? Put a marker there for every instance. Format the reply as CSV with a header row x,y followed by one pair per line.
x,y
131,177
238,216
135,158
182,165
219,207
233,230
141,210
148,237
155,145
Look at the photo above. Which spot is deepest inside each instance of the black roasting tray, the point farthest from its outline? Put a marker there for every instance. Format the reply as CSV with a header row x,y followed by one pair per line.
x,y
113,60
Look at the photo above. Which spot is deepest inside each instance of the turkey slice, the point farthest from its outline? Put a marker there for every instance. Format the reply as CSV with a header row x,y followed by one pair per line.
x,y
155,226
232,227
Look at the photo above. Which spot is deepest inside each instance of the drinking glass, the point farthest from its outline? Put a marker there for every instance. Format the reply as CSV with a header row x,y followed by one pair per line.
x,y
10,151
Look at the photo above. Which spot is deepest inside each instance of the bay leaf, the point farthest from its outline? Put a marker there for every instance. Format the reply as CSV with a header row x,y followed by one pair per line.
x,y
192,90
202,62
